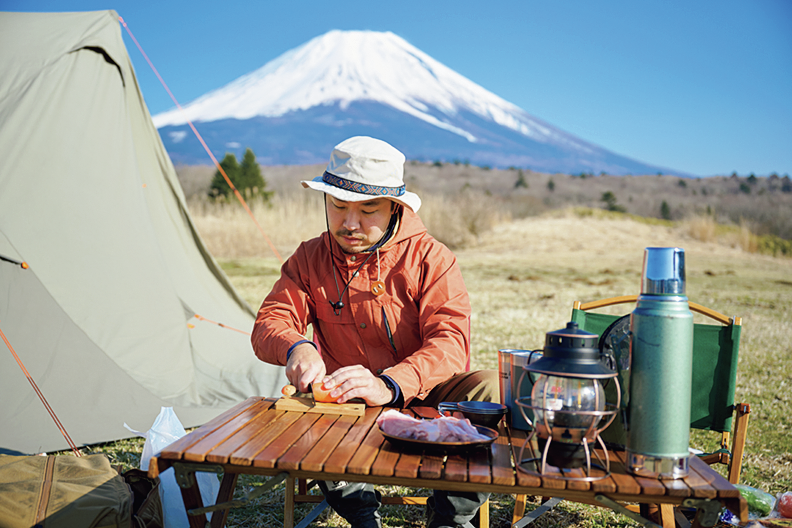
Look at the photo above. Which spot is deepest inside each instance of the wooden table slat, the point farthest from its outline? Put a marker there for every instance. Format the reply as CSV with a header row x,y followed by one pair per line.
x,y
479,466
552,478
315,460
605,485
262,436
502,471
293,458
408,465
385,461
528,479
366,454
676,488
456,468
625,483
269,456
576,473
346,450
724,487
431,467
648,486
232,445
175,450
699,485
199,450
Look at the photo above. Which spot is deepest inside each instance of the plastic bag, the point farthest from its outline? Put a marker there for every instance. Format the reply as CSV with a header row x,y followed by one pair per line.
x,y
167,429
760,503
784,505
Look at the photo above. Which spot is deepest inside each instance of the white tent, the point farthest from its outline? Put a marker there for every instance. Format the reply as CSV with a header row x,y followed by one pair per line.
x,y
104,316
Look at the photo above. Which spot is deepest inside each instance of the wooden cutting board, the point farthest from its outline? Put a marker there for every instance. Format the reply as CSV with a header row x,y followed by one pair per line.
x,y
309,406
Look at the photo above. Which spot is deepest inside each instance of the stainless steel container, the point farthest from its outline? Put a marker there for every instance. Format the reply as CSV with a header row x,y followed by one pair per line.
x,y
658,431
521,384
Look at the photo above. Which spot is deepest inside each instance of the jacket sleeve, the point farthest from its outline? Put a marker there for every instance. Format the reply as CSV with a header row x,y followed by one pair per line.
x,y
444,327
285,313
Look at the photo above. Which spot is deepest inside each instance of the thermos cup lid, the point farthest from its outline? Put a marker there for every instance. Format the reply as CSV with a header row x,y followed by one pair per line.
x,y
663,271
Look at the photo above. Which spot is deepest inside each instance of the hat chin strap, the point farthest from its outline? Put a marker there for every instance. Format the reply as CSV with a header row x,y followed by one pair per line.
x,y
393,225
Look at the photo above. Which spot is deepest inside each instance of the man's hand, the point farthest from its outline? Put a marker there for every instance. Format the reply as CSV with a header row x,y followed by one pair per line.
x,y
358,382
304,367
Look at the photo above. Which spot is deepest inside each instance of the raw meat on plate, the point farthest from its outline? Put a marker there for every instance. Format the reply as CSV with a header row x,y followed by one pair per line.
x,y
440,429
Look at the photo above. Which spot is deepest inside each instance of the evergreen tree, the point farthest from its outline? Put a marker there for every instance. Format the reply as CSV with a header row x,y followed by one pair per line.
x,y
219,186
251,181
610,202
246,178
521,181
665,211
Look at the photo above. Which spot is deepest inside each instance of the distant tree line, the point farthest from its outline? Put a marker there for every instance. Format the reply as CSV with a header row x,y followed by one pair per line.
x,y
246,178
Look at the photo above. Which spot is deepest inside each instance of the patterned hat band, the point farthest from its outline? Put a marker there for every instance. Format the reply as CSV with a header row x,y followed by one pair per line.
x,y
362,188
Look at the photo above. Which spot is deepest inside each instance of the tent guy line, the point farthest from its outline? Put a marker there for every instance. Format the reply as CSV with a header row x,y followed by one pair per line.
x,y
40,394
203,143
221,325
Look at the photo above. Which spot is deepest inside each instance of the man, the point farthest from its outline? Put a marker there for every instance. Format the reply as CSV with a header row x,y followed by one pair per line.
x,y
389,310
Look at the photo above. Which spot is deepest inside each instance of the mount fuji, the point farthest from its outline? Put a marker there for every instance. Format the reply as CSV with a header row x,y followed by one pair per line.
x,y
295,108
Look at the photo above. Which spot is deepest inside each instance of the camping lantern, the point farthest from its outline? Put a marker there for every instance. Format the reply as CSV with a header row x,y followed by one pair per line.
x,y
567,401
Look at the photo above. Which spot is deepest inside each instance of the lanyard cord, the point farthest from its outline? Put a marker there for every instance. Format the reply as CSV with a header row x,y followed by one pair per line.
x,y
394,221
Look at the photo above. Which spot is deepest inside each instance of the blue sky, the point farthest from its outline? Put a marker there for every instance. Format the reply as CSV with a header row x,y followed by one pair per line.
x,y
703,87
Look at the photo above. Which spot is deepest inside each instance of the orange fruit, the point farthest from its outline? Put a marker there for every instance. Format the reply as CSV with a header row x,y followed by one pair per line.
x,y
321,394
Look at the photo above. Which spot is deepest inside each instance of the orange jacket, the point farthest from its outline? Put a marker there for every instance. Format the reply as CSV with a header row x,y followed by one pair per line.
x,y
425,300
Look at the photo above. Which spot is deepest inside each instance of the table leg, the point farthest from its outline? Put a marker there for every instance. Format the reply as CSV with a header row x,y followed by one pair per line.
x,y
666,516
288,504
225,493
519,507
191,493
484,520
192,499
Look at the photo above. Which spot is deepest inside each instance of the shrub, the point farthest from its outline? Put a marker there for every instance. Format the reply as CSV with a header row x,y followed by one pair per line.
x,y
665,211
610,202
521,181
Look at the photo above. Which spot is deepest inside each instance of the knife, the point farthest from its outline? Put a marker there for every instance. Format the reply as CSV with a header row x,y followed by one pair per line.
x,y
290,391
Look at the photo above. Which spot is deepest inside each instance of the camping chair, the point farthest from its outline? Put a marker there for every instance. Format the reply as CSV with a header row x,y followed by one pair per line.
x,y
715,349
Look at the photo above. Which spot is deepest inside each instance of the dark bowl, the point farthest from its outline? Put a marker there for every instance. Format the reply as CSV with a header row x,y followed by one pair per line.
x,y
487,414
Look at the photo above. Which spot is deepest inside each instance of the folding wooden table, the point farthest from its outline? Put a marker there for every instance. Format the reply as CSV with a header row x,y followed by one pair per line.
x,y
255,438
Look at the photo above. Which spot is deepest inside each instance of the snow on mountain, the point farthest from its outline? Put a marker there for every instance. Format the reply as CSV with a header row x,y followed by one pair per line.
x,y
341,72
346,66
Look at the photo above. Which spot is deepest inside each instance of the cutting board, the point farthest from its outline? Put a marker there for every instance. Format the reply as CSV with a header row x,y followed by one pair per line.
x,y
309,406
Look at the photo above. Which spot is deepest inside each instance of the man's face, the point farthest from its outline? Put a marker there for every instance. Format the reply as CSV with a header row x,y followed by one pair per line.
x,y
357,226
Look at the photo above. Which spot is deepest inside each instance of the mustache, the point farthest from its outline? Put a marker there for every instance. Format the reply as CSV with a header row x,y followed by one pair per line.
x,y
346,233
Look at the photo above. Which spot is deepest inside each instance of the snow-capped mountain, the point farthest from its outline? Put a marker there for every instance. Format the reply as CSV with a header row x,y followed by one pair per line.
x,y
343,83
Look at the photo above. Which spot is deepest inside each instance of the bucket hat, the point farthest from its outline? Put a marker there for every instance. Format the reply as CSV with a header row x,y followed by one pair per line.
x,y
362,168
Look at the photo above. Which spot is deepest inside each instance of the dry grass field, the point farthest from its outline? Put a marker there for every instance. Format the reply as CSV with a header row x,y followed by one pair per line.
x,y
525,263
523,276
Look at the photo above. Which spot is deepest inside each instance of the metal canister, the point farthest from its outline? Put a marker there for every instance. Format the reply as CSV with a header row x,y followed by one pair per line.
x,y
521,384
658,432
504,372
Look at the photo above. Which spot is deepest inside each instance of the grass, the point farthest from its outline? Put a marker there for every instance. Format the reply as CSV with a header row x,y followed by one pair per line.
x,y
523,276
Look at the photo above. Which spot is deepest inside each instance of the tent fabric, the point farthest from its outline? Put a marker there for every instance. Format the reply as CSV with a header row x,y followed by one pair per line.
x,y
117,272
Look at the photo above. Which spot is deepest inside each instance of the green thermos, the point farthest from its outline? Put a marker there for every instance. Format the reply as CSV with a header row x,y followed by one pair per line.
x,y
661,346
